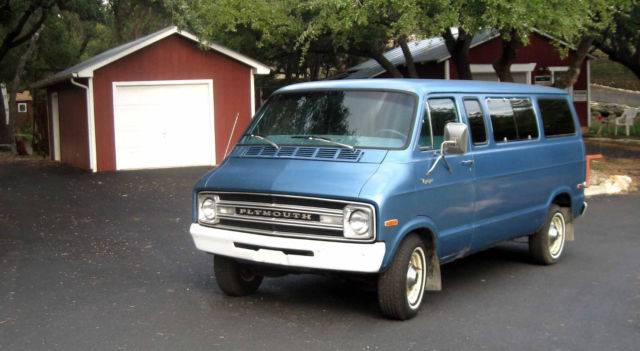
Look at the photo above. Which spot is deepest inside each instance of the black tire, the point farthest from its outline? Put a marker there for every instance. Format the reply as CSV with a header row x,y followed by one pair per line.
x,y
234,278
542,245
393,295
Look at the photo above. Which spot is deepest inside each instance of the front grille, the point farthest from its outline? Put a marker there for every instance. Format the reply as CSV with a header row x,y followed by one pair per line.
x,y
267,228
281,215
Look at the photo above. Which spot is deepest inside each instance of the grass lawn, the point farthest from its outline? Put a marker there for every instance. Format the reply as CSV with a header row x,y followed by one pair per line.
x,y
607,130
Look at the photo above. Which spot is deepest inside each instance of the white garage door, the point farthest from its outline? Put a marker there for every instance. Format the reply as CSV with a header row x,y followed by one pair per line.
x,y
163,124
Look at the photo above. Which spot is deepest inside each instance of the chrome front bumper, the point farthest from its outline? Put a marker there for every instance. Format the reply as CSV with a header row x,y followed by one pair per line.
x,y
293,252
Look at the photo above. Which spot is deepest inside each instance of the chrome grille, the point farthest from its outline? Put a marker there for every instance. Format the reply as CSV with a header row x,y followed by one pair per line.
x,y
281,215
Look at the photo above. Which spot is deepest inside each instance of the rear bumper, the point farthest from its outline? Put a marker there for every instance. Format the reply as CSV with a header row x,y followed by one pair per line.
x,y
316,254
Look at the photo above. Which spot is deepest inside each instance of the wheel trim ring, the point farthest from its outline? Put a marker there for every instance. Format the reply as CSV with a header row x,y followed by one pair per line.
x,y
415,292
556,244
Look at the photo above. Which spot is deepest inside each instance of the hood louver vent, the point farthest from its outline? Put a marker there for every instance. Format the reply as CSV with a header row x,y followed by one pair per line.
x,y
253,151
268,151
326,153
307,152
346,154
286,151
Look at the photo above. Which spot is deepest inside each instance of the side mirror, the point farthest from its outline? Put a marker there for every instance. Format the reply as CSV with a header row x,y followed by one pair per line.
x,y
456,136
455,141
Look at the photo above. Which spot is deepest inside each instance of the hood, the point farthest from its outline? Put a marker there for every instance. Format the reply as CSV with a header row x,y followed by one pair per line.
x,y
335,179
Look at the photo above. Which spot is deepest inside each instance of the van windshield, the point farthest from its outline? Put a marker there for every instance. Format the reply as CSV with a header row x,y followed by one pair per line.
x,y
359,118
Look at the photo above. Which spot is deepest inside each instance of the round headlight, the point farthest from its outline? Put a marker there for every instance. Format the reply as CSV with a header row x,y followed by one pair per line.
x,y
208,209
359,222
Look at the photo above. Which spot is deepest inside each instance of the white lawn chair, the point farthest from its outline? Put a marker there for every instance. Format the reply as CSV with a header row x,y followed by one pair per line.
x,y
627,119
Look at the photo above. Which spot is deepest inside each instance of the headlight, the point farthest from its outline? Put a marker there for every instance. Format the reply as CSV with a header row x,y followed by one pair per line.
x,y
207,211
358,222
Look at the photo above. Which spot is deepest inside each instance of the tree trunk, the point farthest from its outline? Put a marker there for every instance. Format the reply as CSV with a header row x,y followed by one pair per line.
x,y
459,51
502,65
386,64
13,87
408,57
5,135
569,78
315,68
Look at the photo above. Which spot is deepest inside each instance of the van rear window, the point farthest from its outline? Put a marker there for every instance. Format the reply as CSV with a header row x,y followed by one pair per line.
x,y
512,119
556,117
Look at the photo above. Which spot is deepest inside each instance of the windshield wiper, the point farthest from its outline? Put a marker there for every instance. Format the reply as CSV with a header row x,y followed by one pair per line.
x,y
326,140
263,139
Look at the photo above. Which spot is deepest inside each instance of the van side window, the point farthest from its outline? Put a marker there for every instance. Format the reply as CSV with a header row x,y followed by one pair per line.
x,y
525,118
442,111
476,121
512,119
425,131
556,117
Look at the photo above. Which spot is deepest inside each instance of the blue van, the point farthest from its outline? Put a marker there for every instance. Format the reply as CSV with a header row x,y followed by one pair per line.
x,y
391,178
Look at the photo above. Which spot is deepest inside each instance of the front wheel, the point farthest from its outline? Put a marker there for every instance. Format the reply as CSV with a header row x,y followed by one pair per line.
x,y
234,278
547,244
401,286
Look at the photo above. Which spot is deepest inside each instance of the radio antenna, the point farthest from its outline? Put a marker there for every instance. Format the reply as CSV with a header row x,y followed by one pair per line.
x,y
233,129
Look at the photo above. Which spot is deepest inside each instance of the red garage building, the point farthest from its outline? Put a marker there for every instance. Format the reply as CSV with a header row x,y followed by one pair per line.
x,y
537,63
164,100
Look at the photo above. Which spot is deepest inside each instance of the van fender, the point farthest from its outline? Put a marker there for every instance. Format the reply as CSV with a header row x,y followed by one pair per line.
x,y
569,222
434,280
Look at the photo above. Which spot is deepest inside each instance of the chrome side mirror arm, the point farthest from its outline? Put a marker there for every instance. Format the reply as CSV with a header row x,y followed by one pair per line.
x,y
442,157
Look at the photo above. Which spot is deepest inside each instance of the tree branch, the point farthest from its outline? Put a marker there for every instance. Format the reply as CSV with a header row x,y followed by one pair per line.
x,y
502,65
7,41
627,61
408,57
386,64
569,78
36,27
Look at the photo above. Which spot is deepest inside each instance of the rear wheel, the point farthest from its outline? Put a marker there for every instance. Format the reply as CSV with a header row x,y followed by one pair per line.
x,y
401,286
235,278
547,244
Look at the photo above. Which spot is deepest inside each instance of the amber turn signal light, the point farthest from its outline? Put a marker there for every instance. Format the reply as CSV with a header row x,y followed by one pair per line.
x,y
391,223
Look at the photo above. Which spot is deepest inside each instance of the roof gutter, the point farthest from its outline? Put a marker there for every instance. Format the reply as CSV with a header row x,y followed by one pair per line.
x,y
91,122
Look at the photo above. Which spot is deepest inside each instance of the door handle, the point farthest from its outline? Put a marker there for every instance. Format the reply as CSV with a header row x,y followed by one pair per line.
x,y
467,163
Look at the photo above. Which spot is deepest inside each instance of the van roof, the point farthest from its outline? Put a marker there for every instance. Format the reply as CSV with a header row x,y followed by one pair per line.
x,y
425,86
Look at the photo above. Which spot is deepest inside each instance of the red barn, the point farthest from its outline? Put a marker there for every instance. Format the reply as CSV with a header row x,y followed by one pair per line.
x,y
164,100
537,63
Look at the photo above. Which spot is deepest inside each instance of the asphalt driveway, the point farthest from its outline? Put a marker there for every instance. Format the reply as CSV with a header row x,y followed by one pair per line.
x,y
105,262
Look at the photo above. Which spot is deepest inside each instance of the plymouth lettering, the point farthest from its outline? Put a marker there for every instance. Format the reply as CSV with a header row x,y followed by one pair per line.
x,y
258,212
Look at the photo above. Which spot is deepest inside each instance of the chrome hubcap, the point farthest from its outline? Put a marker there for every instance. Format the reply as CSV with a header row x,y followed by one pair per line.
x,y
416,277
556,235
